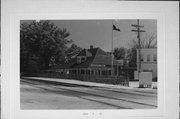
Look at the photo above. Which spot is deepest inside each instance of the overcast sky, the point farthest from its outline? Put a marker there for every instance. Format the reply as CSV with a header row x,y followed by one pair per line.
x,y
99,32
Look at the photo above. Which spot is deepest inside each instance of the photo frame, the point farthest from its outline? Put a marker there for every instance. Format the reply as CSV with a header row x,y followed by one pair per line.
x,y
14,11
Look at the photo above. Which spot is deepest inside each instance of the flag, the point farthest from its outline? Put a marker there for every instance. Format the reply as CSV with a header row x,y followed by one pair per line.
x,y
116,28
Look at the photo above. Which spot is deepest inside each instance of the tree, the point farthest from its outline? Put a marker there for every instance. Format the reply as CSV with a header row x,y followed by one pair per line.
x,y
131,57
42,43
148,41
120,53
72,52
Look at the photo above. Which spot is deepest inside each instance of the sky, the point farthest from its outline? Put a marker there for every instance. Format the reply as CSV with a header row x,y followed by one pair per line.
x,y
99,33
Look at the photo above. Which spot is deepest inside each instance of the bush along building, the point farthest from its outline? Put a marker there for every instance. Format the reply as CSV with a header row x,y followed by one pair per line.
x,y
94,65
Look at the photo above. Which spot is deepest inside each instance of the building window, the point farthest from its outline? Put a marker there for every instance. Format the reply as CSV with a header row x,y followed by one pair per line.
x,y
73,71
104,72
82,71
148,58
83,59
78,60
99,72
88,72
96,72
109,72
155,58
92,72
78,71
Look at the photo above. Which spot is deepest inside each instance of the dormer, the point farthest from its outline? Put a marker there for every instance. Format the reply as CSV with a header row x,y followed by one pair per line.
x,y
78,60
83,55
81,59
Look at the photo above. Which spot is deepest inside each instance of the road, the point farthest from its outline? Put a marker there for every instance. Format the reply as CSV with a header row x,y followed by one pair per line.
x,y
43,95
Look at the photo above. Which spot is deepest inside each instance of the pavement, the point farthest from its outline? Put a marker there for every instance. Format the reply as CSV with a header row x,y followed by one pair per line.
x,y
132,84
51,93
48,97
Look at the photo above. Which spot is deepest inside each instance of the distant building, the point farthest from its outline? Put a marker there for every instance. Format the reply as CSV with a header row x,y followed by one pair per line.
x,y
148,60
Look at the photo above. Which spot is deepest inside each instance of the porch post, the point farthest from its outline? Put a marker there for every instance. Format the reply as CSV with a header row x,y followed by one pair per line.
x,y
100,72
89,71
117,70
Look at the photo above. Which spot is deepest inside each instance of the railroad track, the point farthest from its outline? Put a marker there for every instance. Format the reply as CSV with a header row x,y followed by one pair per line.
x,y
135,92
104,99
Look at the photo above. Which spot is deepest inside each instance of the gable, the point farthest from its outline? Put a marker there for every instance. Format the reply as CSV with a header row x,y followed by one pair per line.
x,y
85,52
103,58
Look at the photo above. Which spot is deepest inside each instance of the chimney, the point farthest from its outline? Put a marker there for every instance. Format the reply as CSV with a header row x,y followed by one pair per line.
x,y
91,46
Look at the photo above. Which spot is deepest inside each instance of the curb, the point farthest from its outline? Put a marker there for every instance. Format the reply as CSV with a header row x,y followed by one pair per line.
x,y
90,84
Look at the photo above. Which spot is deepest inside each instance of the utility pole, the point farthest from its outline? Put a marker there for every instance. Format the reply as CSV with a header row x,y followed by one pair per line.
x,y
138,30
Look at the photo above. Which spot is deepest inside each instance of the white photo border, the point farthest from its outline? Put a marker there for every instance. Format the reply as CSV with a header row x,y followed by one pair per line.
x,y
10,68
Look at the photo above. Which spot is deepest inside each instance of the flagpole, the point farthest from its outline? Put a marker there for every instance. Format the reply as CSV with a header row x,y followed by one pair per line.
x,y
112,52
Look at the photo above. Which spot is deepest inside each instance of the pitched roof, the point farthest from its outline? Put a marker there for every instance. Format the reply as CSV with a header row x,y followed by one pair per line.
x,y
88,61
85,52
98,57
104,60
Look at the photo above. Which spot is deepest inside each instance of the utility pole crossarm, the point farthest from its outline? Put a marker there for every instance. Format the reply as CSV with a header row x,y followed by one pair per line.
x,y
134,30
134,25
138,30
142,31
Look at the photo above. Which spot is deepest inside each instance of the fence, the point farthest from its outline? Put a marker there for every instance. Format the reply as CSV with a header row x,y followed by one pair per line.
x,y
116,80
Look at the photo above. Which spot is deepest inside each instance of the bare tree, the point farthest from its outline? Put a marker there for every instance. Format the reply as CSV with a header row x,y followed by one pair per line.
x,y
148,41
